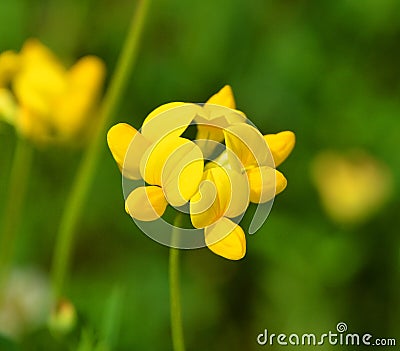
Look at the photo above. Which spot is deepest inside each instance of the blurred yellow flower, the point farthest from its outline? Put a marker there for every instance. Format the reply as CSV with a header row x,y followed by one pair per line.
x,y
352,187
51,103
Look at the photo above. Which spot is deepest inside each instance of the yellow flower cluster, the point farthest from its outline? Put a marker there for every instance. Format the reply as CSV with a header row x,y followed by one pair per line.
x,y
176,172
43,100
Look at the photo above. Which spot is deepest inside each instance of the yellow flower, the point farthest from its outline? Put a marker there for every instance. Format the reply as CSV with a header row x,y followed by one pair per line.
x,y
53,103
258,156
170,164
352,187
173,167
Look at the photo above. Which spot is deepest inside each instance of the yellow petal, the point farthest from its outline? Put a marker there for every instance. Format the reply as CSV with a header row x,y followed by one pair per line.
x,y
211,121
280,145
73,108
169,120
226,239
161,109
9,65
265,183
34,52
127,146
224,97
204,210
280,182
207,138
146,203
182,173
176,164
40,80
240,194
223,192
248,144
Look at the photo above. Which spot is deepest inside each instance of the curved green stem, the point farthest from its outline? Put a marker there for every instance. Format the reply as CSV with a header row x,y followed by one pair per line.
x,y
175,303
19,175
75,202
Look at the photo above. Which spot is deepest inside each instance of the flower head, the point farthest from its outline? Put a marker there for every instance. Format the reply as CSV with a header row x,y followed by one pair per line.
x,y
353,186
228,165
51,103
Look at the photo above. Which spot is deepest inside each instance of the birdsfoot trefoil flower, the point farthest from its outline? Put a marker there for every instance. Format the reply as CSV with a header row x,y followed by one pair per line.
x,y
228,165
46,102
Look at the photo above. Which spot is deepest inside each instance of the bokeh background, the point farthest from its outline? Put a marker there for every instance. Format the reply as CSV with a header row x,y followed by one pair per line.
x,y
327,70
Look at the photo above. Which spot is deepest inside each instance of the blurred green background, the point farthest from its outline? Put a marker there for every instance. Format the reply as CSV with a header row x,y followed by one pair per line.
x,y
328,70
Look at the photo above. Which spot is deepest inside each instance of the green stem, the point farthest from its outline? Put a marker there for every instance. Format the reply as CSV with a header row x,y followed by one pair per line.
x,y
76,200
12,213
176,313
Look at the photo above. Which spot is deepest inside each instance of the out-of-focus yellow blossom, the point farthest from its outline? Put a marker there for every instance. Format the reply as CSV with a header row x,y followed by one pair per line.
x,y
222,195
352,187
170,164
254,152
52,103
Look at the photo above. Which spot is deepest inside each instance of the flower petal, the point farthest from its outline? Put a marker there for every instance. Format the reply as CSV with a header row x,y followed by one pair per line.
x,y
281,145
176,164
9,65
265,183
211,121
169,120
224,97
72,108
248,144
146,203
127,146
41,78
240,194
225,238
182,173
223,192
204,208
